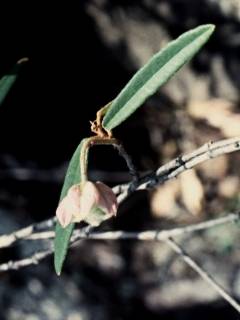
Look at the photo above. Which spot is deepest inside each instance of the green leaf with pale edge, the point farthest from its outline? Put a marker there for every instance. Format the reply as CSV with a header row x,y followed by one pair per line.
x,y
63,235
155,73
7,81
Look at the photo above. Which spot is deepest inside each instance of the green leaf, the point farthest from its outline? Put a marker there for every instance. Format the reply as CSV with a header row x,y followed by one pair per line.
x,y
8,80
61,243
155,73
63,235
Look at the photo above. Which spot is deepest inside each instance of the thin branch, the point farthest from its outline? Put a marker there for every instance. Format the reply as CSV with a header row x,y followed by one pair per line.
x,y
151,235
8,239
180,164
203,274
143,235
164,173
33,260
164,235
132,169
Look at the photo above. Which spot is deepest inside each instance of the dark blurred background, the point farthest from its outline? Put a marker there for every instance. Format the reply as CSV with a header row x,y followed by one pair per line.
x,y
81,54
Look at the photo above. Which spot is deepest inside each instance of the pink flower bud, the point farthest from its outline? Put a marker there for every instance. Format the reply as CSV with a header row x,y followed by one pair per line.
x,y
89,202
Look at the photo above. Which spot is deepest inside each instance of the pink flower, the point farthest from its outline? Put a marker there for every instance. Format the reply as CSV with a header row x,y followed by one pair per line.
x,y
89,202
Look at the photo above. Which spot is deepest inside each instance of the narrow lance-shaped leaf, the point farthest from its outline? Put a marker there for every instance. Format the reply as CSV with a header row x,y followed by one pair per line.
x,y
8,80
155,73
63,235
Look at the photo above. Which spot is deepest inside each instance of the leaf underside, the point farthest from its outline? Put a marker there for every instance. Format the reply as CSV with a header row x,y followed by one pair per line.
x,y
161,67
63,235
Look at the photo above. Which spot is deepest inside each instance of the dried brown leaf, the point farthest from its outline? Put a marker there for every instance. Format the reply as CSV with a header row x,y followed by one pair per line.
x,y
218,113
163,202
216,168
192,192
229,186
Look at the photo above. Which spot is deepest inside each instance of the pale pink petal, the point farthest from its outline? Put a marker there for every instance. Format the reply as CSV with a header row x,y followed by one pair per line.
x,y
80,201
89,198
69,207
63,213
107,199
75,193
